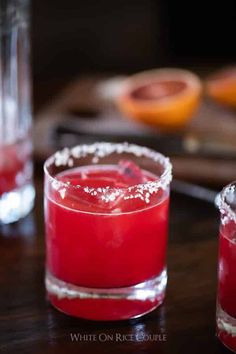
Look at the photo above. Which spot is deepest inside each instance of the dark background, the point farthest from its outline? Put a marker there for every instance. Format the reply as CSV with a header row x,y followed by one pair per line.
x,y
73,37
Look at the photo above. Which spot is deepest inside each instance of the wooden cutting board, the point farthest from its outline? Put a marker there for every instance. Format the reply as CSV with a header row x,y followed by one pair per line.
x,y
208,143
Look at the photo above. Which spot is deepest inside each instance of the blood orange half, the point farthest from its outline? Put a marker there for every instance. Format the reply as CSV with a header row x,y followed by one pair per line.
x,y
221,86
166,98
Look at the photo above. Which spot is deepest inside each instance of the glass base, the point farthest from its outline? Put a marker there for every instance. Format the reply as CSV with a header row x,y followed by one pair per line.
x,y
106,304
226,328
16,204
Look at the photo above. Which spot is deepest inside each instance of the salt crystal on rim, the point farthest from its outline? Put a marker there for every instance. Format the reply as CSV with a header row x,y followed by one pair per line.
x,y
228,213
104,149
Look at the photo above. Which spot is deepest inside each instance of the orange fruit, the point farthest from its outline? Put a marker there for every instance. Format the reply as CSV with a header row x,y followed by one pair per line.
x,y
221,86
166,98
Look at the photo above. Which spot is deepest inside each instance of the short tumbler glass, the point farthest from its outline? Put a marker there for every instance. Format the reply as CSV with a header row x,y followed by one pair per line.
x,y
106,219
16,188
226,299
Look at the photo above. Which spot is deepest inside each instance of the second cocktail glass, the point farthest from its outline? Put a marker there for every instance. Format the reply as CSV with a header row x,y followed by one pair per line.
x,y
106,218
226,299
16,169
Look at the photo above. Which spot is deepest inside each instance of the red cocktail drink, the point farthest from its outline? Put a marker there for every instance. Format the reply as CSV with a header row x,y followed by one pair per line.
x,y
226,302
16,190
106,226
13,167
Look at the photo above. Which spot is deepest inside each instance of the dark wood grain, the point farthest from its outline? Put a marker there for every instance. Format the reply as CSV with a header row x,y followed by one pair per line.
x,y
187,318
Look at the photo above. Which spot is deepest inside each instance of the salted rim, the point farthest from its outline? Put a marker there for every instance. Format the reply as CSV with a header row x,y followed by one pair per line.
x,y
65,157
192,82
224,206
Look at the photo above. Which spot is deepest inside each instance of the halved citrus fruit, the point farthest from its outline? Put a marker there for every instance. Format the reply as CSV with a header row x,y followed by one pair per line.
x,y
221,86
166,98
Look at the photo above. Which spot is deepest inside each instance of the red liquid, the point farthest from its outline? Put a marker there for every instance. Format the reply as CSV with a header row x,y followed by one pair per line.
x,y
95,244
227,278
14,166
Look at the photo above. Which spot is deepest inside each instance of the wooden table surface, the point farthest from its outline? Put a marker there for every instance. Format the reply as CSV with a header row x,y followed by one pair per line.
x,y
185,323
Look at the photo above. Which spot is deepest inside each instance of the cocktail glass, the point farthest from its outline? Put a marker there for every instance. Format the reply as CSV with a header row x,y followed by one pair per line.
x,y
106,218
226,299
16,187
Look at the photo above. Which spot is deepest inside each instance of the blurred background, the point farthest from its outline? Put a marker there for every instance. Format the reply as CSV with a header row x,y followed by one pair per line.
x,y
74,37
83,39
